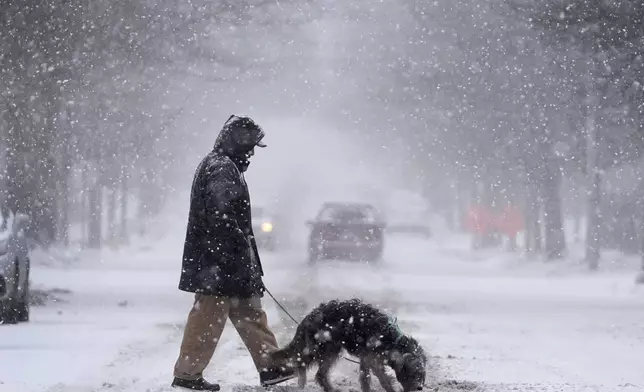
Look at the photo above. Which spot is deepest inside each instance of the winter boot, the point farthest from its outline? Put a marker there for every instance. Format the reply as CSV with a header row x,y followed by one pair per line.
x,y
195,385
275,376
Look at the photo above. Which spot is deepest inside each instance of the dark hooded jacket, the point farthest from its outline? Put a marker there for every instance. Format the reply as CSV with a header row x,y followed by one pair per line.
x,y
220,254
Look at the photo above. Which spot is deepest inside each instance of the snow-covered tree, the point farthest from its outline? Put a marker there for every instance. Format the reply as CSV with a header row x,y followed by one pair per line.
x,y
92,86
599,44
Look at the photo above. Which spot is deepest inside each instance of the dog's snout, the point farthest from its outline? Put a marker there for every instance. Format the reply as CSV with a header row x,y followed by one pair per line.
x,y
419,388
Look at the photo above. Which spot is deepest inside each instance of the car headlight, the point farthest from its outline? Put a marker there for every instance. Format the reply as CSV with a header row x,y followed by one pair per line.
x,y
267,227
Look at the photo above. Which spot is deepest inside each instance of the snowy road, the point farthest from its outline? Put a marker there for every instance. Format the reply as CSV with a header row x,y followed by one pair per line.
x,y
490,327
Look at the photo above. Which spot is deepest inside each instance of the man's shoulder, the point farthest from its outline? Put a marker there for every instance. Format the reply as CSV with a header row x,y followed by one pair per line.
x,y
219,165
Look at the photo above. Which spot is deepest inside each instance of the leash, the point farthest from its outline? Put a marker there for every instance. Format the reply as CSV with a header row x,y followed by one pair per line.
x,y
295,321
280,306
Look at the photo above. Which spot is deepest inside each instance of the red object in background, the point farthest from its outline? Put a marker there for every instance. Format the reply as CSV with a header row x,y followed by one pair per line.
x,y
479,220
510,221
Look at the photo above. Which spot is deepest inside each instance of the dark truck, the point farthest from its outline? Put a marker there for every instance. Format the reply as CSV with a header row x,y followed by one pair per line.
x,y
346,230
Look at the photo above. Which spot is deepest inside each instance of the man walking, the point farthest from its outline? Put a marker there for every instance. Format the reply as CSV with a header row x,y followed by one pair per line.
x,y
221,263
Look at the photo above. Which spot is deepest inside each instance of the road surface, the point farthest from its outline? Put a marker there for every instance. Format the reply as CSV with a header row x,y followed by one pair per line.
x,y
487,327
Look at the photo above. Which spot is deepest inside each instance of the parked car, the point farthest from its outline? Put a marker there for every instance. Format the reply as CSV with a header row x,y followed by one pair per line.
x,y
351,230
14,268
265,228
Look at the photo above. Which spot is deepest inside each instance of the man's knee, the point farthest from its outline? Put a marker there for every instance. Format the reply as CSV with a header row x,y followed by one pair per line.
x,y
207,317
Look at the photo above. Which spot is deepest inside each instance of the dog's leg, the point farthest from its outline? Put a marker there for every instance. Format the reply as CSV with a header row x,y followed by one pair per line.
x,y
379,371
365,375
301,377
322,375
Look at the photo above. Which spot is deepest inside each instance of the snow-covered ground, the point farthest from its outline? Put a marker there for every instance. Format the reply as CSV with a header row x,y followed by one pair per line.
x,y
491,321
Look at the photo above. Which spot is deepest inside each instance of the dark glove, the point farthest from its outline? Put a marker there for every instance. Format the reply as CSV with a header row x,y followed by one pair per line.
x,y
240,239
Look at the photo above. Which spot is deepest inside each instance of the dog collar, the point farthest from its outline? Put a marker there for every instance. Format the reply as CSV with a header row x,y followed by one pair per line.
x,y
393,324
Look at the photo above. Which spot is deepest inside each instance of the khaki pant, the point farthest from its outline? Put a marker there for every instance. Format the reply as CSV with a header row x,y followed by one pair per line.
x,y
206,322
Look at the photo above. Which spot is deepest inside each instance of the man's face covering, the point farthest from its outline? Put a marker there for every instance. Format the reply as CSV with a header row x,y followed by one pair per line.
x,y
243,161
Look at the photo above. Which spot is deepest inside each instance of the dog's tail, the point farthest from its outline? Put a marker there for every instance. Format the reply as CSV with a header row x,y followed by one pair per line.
x,y
293,350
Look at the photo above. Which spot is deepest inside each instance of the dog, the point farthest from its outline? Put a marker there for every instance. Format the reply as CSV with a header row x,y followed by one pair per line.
x,y
364,332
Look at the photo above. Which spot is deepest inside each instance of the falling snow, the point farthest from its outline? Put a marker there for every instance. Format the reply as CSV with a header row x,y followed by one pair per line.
x,y
461,164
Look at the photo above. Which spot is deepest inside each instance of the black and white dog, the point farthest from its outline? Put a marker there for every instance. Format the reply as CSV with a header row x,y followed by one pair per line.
x,y
364,332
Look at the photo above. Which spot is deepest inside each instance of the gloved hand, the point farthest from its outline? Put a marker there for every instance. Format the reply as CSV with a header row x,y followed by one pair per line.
x,y
240,238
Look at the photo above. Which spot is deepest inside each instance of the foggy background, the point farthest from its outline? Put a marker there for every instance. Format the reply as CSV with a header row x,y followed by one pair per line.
x,y
107,107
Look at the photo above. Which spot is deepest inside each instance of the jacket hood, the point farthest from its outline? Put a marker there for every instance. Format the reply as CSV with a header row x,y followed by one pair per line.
x,y
238,136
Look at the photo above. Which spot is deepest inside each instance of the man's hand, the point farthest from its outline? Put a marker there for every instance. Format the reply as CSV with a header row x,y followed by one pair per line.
x,y
241,237
244,243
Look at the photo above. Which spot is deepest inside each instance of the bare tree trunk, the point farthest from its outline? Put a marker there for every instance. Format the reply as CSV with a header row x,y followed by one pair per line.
x,y
555,240
577,210
124,236
142,211
47,197
593,246
15,187
577,227
533,221
46,166
461,205
95,202
149,199
491,236
529,228
594,187
111,216
111,177
19,197
640,206
640,276
458,209
64,149
84,207
476,201
63,207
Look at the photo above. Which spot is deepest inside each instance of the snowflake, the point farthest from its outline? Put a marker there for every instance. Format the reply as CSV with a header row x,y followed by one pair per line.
x,y
323,336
